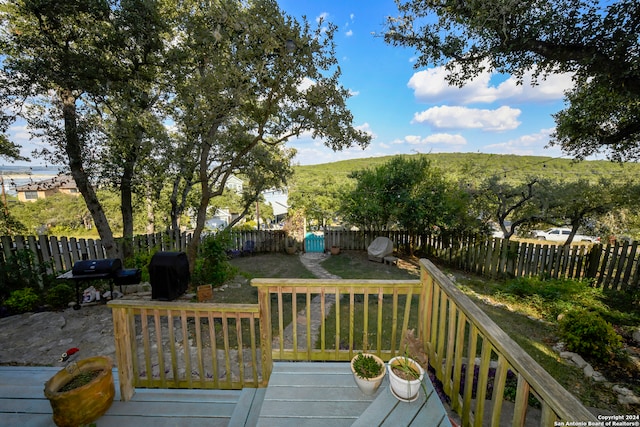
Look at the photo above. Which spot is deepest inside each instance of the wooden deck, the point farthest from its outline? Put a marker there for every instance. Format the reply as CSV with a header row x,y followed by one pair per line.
x,y
314,394
299,394
22,403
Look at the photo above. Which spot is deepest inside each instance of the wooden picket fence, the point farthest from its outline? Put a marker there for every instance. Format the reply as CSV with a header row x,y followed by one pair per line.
x,y
613,266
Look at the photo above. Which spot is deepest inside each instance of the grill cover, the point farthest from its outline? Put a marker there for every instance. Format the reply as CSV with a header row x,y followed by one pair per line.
x,y
168,275
97,267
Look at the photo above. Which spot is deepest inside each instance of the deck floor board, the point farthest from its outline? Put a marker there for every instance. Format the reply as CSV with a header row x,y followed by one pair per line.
x,y
306,394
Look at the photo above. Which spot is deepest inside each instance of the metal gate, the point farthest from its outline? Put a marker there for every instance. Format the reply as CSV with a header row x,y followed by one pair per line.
x,y
314,242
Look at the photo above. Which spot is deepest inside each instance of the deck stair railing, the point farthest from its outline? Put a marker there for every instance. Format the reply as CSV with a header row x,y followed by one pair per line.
x,y
199,345
472,356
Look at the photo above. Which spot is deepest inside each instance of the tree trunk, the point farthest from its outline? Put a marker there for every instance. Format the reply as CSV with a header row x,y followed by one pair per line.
x,y
73,148
201,214
126,203
151,219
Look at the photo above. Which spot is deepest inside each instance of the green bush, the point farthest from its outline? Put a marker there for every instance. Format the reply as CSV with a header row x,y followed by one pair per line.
x,y
20,271
212,265
23,300
589,335
141,260
60,295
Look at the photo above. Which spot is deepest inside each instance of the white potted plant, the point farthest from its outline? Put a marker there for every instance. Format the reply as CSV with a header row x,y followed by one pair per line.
x,y
368,372
405,378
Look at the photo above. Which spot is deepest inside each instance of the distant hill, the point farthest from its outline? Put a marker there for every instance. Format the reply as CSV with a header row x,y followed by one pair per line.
x,y
477,165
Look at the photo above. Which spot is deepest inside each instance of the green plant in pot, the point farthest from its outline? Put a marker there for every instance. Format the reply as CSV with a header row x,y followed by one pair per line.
x,y
368,372
82,392
405,378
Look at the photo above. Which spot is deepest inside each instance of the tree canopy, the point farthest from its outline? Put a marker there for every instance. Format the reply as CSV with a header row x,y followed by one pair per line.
x,y
407,194
595,40
179,92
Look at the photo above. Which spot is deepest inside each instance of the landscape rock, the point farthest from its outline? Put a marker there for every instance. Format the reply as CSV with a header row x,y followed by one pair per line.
x,y
588,371
626,396
575,358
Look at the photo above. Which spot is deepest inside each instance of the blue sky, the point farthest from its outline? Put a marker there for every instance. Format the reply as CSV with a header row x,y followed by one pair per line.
x,y
409,110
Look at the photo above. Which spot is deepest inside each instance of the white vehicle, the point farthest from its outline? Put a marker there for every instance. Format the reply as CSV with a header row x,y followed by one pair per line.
x,y
561,235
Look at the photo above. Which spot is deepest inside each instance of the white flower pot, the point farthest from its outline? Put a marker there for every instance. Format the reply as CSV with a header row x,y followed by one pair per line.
x,y
401,388
369,386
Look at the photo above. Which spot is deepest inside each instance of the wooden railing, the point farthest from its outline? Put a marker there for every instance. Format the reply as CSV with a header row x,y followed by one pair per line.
x,y
193,345
457,331
356,310
189,345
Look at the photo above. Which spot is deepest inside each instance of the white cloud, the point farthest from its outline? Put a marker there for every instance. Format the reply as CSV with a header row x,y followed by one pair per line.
x,y
322,17
349,33
305,84
413,139
526,145
445,139
447,117
366,128
431,86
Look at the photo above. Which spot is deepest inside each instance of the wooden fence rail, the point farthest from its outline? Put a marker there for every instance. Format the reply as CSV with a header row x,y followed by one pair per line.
x,y
613,266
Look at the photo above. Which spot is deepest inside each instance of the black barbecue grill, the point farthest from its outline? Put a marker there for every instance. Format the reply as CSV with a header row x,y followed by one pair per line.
x,y
89,270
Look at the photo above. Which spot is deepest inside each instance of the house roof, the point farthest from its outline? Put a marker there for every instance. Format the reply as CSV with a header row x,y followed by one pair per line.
x,y
58,181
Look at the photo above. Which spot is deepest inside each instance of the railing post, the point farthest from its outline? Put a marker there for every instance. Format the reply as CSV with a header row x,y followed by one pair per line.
x,y
264,303
121,332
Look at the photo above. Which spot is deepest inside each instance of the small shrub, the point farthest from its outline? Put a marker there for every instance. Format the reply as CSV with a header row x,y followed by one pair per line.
x,y
20,270
589,335
212,265
23,300
60,295
141,259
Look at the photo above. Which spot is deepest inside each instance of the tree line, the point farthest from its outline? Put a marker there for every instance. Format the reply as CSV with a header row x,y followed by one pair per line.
x,y
410,193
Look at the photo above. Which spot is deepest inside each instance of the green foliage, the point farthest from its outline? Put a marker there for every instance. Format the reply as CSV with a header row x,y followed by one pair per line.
x,y
547,298
23,300
366,366
142,259
212,264
406,193
20,271
60,295
9,225
589,335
